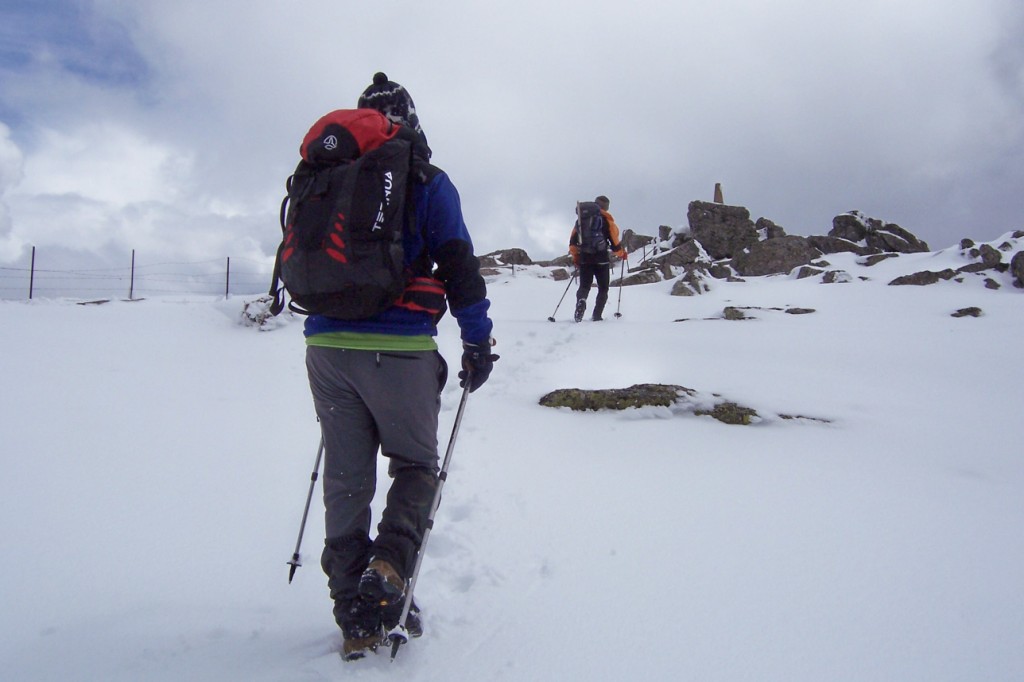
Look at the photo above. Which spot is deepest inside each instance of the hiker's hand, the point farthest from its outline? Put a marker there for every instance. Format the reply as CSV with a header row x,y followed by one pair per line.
x,y
477,362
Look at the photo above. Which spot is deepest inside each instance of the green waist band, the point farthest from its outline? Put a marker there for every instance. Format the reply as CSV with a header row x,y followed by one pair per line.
x,y
362,341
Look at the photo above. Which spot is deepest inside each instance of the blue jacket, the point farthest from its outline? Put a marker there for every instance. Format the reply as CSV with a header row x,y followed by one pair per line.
x,y
439,209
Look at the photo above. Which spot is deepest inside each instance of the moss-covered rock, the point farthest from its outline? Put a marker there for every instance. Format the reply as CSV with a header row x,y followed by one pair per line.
x,y
679,398
638,395
729,413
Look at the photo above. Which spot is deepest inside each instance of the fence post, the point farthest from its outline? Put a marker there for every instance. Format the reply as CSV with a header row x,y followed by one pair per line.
x,y
131,285
227,280
32,274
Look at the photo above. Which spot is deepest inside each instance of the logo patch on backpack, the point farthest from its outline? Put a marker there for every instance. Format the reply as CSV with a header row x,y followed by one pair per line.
x,y
342,220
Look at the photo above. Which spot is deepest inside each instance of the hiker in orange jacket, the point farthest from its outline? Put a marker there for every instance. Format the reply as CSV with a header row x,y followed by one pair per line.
x,y
589,247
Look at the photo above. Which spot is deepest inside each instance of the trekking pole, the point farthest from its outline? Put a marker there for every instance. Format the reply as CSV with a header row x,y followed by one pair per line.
x,y
622,274
552,318
579,242
295,563
398,634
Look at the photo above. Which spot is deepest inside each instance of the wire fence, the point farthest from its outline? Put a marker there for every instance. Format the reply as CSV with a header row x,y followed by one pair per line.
x,y
220,277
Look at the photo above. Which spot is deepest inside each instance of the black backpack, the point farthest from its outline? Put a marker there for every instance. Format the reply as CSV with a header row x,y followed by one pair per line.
x,y
341,251
591,228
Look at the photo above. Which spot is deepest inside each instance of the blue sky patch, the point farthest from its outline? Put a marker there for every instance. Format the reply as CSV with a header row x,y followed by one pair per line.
x,y
68,35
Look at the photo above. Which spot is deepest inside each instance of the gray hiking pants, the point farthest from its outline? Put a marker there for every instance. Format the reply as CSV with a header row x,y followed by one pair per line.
x,y
368,401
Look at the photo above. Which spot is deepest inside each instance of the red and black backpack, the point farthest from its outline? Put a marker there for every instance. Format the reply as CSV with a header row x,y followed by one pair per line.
x,y
342,219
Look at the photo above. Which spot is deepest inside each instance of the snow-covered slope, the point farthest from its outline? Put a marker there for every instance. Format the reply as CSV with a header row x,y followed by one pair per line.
x,y
157,455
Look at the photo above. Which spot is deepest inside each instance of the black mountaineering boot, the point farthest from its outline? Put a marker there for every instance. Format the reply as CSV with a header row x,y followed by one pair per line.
x,y
344,559
581,307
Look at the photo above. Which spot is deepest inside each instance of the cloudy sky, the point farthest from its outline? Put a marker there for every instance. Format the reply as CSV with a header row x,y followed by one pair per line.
x,y
169,127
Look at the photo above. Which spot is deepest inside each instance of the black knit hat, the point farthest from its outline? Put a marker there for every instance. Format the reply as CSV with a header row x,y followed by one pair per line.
x,y
392,100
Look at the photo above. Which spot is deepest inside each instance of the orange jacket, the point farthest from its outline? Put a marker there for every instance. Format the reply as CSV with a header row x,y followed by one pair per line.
x,y
613,238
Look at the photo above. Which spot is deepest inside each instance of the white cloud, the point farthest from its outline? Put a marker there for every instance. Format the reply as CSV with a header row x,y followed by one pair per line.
x,y
107,163
10,173
11,160
908,111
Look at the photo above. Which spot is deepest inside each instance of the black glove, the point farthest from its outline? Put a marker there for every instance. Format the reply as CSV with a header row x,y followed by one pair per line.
x,y
477,362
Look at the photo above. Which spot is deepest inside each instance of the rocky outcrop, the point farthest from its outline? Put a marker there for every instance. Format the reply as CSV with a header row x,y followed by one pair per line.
x,y
648,276
875,259
729,413
876,235
505,257
1017,269
724,231
686,253
721,243
691,282
678,398
637,395
726,234
836,277
739,313
924,278
564,261
990,256
775,256
633,241
766,229
723,270
827,244
560,274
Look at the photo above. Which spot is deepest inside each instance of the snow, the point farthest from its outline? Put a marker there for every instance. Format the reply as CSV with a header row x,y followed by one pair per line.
x,y
157,455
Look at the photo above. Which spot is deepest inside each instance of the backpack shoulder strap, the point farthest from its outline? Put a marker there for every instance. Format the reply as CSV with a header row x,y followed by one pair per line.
x,y
422,173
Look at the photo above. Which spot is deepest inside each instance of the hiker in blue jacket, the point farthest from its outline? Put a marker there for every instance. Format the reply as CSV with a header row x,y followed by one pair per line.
x,y
376,385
